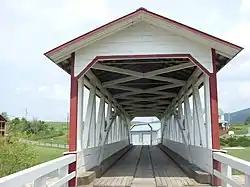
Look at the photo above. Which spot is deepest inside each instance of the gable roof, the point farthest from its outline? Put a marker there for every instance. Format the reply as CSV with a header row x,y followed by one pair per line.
x,y
2,118
222,47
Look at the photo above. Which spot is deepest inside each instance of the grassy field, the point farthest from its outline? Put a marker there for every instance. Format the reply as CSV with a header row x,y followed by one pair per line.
x,y
59,126
239,128
242,154
45,154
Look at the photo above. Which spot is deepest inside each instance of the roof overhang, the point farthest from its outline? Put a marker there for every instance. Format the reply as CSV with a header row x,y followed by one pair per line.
x,y
225,50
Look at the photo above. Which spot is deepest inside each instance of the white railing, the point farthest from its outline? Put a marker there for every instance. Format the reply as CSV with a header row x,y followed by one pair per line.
x,y
227,163
40,175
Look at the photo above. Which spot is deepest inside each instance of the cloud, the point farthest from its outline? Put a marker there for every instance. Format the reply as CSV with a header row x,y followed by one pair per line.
x,y
245,5
42,88
234,79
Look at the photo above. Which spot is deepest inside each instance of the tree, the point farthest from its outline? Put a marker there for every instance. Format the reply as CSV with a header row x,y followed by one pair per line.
x,y
247,121
15,155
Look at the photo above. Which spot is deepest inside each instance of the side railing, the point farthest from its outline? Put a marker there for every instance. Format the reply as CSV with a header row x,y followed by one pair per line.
x,y
53,173
227,164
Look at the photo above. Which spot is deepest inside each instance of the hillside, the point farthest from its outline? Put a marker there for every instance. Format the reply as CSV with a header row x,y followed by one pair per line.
x,y
238,116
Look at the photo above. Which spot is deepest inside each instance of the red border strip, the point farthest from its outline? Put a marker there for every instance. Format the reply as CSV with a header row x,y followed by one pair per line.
x,y
73,117
214,116
139,11
151,56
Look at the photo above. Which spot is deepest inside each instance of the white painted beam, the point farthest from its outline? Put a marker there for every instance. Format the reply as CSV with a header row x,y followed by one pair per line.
x,y
117,70
169,69
118,81
80,114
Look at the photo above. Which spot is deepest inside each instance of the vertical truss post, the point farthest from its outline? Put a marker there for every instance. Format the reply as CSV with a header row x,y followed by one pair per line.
x,y
104,140
183,138
207,111
113,130
194,127
109,115
80,114
93,135
199,115
101,120
89,132
187,113
163,129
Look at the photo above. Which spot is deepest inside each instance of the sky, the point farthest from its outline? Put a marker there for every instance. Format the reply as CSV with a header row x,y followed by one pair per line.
x,y
32,85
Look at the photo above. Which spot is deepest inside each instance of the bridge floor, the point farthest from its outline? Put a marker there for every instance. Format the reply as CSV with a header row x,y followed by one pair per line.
x,y
145,166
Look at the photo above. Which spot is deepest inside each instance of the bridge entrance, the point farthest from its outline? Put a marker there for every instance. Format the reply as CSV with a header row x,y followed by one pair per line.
x,y
144,64
140,65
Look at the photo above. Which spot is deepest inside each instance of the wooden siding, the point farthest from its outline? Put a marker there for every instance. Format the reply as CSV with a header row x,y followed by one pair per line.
x,y
201,157
142,39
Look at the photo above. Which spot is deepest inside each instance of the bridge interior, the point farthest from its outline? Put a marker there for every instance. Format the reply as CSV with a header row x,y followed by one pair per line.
x,y
145,166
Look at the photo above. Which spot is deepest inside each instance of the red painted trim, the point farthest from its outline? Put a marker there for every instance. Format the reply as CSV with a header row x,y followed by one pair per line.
x,y
214,116
73,117
151,56
135,13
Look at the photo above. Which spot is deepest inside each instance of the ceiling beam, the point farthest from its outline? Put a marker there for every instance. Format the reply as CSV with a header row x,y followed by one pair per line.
x,y
118,81
117,70
169,69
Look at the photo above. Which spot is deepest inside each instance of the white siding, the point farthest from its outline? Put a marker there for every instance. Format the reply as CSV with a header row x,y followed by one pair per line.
x,y
88,158
201,157
141,39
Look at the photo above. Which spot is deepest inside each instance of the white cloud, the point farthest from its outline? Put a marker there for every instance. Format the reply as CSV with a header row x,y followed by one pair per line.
x,y
245,5
234,79
42,88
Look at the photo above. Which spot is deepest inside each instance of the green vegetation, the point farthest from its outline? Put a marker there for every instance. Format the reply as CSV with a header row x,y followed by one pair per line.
x,y
235,141
45,154
239,129
15,155
239,153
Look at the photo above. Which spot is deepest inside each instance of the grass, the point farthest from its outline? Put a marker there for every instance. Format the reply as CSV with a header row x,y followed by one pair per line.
x,y
56,140
239,129
45,154
59,126
240,153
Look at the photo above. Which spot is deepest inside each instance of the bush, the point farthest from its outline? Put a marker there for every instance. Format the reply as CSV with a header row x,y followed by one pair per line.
x,y
15,155
235,141
232,142
223,141
243,141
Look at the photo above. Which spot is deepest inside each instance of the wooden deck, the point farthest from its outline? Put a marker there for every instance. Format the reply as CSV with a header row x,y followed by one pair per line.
x,y
145,166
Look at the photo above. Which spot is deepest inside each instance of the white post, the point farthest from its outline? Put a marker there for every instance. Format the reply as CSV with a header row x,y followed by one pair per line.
x,y
187,112
63,171
88,130
195,126
226,170
114,130
109,114
199,115
101,120
207,111
80,114
247,180
180,115
39,182
93,134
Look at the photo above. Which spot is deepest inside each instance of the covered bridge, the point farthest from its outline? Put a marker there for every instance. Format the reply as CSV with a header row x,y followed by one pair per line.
x,y
144,64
